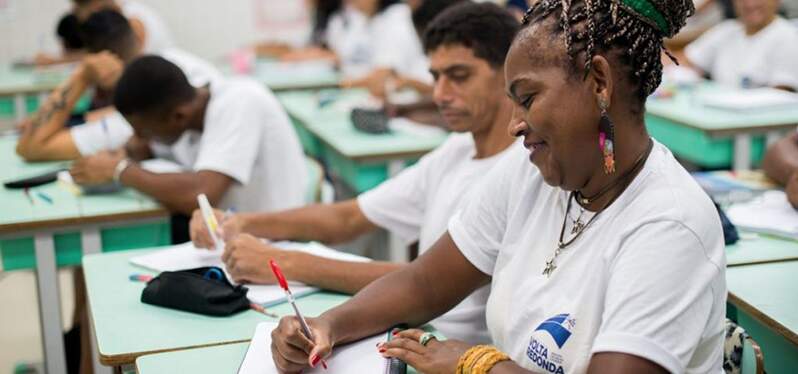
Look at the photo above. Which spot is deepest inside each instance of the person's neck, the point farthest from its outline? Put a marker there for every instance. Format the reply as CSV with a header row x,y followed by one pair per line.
x,y
630,145
197,121
494,139
752,30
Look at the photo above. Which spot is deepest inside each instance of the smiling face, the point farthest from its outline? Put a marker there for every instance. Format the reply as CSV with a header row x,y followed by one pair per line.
x,y
556,112
467,90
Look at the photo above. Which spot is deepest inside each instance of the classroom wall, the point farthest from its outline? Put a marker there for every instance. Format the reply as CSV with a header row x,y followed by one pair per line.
x,y
208,28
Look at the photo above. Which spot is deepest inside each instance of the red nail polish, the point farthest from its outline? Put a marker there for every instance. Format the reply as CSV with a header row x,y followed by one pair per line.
x,y
314,360
382,350
395,333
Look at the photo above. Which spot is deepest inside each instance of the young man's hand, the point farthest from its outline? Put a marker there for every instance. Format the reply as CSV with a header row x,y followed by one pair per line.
x,y
96,169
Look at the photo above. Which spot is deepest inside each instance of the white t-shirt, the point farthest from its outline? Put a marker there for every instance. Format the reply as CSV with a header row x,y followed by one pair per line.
x,y
647,278
113,131
247,136
158,37
386,40
767,58
417,204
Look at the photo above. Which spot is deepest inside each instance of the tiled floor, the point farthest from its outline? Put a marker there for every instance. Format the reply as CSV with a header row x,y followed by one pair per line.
x,y
19,316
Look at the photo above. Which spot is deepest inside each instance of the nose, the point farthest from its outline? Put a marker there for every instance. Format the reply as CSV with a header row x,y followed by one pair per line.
x,y
517,126
442,91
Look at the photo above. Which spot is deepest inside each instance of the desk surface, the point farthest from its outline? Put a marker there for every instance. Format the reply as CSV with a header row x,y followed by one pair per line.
x,y
127,328
15,81
20,214
290,76
685,108
767,292
758,249
333,126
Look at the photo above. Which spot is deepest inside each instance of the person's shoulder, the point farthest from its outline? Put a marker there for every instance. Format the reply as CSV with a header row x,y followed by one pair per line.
x,y
786,30
668,193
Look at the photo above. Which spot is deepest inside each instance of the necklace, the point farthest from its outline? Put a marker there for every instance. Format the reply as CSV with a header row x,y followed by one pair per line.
x,y
586,200
579,228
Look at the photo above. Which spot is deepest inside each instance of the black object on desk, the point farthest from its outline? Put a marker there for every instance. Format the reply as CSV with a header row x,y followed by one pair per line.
x,y
34,181
372,121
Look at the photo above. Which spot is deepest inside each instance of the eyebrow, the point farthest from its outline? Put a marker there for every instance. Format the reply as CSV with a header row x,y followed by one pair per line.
x,y
451,68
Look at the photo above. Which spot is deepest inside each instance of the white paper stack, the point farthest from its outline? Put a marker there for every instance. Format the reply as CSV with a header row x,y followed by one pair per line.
x,y
358,357
770,213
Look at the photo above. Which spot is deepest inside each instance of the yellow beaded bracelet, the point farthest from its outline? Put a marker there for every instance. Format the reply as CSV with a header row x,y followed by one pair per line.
x,y
479,360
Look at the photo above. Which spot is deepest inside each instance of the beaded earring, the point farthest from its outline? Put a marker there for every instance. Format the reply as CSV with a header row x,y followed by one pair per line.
x,y
607,139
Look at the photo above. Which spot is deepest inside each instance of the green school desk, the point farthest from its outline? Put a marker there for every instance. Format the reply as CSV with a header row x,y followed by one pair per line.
x,y
126,328
715,138
764,301
288,76
21,89
359,159
42,236
759,249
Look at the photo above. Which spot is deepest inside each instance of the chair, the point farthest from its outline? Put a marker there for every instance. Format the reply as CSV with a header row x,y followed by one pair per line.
x,y
736,353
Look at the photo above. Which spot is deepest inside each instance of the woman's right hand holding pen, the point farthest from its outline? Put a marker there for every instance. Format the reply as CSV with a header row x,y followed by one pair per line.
x,y
230,225
292,351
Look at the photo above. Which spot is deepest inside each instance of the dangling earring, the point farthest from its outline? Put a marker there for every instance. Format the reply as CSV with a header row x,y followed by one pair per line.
x,y
607,139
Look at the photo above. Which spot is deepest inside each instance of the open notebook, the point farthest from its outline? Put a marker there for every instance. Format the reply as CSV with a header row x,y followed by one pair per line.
x,y
770,213
187,256
358,357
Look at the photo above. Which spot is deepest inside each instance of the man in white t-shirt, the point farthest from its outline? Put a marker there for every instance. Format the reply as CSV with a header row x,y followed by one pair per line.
x,y
235,140
758,49
113,43
416,204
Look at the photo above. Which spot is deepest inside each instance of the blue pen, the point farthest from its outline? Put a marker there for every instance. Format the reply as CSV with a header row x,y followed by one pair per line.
x,y
44,197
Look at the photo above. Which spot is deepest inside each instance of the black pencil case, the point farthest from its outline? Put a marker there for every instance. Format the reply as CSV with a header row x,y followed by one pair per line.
x,y
203,290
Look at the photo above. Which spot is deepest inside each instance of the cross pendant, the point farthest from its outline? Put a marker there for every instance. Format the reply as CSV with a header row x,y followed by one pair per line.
x,y
549,268
578,226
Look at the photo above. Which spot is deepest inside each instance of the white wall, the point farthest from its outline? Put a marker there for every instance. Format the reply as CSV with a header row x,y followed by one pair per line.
x,y
208,28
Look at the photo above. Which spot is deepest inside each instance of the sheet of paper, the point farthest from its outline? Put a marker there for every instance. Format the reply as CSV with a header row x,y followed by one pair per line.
x,y
770,213
358,357
187,256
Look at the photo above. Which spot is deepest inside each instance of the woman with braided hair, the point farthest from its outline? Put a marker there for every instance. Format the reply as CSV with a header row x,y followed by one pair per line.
x,y
603,254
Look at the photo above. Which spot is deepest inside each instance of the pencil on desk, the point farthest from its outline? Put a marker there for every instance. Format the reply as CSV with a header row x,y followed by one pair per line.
x,y
44,197
30,198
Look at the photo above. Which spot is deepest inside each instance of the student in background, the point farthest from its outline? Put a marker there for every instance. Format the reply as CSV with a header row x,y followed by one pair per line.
x,y
321,11
467,64
602,257
147,24
233,139
758,48
111,41
781,165
68,33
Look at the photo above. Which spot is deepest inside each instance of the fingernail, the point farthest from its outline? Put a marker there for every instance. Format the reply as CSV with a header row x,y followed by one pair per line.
x,y
314,360
382,350
395,333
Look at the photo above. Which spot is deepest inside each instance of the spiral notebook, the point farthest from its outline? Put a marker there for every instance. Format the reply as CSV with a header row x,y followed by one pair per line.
x,y
358,357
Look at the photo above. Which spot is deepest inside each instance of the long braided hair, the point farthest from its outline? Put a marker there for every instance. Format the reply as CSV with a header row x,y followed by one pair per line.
x,y
591,26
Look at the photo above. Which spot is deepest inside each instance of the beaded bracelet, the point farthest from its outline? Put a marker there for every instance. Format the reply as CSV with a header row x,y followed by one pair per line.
x,y
479,360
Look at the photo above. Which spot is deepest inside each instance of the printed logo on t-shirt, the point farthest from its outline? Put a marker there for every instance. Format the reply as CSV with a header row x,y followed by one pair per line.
x,y
547,341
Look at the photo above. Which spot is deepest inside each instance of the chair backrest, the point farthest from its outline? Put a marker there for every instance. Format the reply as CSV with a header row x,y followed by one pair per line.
x,y
315,180
741,354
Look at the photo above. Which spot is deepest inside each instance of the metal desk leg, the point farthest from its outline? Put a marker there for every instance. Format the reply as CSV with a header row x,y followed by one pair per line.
x,y
742,152
20,109
92,243
772,137
397,251
49,304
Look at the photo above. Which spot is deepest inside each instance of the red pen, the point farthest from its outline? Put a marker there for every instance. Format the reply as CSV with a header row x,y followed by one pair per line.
x,y
284,285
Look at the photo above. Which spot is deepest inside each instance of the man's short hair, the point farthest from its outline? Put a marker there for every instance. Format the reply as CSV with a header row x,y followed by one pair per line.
x,y
107,30
485,28
151,85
